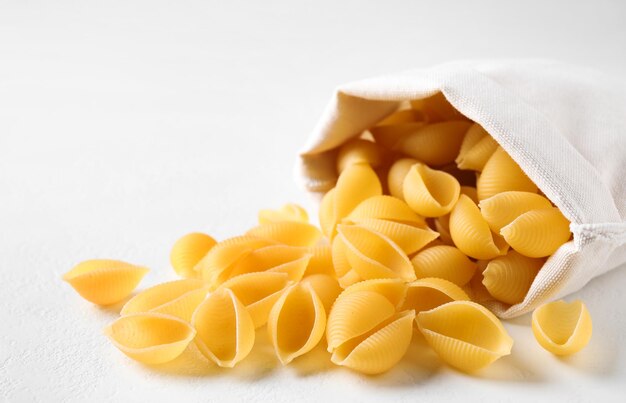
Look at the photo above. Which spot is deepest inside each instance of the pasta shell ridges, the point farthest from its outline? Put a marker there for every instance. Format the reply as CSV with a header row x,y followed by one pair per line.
x,y
429,192
288,212
187,252
508,278
291,233
501,209
429,293
562,328
445,262
391,288
502,174
434,144
537,233
409,238
385,208
158,295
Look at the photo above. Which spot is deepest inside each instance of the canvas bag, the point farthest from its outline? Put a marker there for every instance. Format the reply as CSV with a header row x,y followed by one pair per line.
x,y
564,125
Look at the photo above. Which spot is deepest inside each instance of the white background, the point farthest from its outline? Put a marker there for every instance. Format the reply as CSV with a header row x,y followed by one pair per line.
x,y
125,124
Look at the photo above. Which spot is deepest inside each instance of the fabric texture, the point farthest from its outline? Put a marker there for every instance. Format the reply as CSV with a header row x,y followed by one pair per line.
x,y
564,125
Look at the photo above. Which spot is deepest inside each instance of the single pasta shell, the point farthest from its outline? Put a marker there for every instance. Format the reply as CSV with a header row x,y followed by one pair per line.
x,y
258,292
396,175
562,328
502,174
104,281
501,209
373,255
326,287
356,183
465,335
434,144
321,260
476,149
158,295
354,314
471,234
225,329
470,192
188,251
445,262
358,151
328,219
288,212
296,323
408,237
403,116
379,350
429,293
437,108
429,192
537,233
291,233
184,306
393,289
385,208
278,258
508,278
390,136
150,338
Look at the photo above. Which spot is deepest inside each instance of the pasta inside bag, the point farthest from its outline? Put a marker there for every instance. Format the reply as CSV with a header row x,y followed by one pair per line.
x,y
564,126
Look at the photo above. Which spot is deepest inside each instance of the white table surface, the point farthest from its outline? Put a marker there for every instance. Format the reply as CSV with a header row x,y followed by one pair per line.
x,y
125,124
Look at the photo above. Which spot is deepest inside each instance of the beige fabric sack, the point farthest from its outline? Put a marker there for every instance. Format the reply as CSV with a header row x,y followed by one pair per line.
x,y
564,125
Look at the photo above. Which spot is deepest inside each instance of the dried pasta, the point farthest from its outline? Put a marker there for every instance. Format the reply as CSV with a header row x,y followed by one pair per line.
x,y
435,144
429,192
325,286
562,328
288,212
290,260
476,149
385,208
359,151
393,289
502,174
184,306
396,175
158,295
501,209
291,233
188,251
403,116
436,108
408,237
428,293
508,278
537,233
446,262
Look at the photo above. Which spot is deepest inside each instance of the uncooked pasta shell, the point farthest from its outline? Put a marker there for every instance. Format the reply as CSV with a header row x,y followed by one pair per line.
x,y
321,260
465,335
354,314
380,349
437,108
385,208
445,262
390,136
288,212
396,175
429,293
296,323
327,217
434,144
537,233
184,306
150,338
326,287
408,237
476,149
429,192
258,292
391,288
291,233
471,234
508,278
501,209
373,255
356,183
502,174
470,192
160,294
562,328
104,281
225,329
442,226
358,151
277,258
188,251
403,116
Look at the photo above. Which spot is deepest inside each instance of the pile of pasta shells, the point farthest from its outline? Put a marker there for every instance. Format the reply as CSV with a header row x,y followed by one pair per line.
x,y
429,219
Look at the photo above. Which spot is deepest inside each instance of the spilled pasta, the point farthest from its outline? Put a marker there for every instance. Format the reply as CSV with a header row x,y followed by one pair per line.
x,y
429,221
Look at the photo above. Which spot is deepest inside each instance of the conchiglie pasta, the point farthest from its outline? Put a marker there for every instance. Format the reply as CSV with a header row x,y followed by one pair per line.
x,y
343,271
465,335
390,136
502,174
391,288
321,261
446,262
396,175
188,251
150,338
470,192
436,108
476,149
104,281
326,287
508,278
442,226
359,151
296,323
290,260
501,209
403,116
429,192
327,217
434,144
291,233
225,329
288,212
158,295
184,306
537,233
429,293
562,328
471,234
385,208
408,237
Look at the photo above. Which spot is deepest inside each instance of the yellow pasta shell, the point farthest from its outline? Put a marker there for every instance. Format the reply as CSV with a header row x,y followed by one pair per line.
x,y
373,255
326,287
476,149
396,175
188,251
385,208
471,234
390,136
408,237
277,258
354,314
358,151
391,288
434,144
562,328
502,174
150,338
442,226
476,289
403,116
356,183
470,192
258,292
508,278
291,233
380,349
429,192
501,209
104,281
225,329
184,306
288,212
327,217
160,294
296,323
321,260
446,262
437,108
340,261
537,233
429,293
465,335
